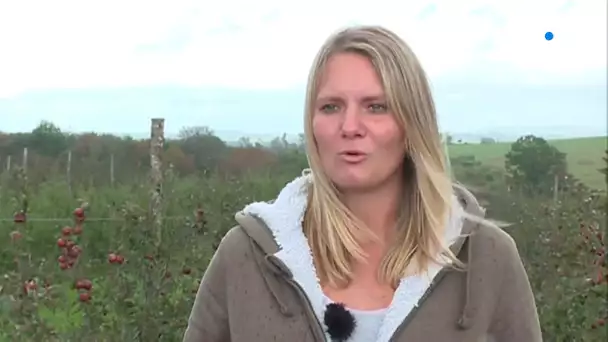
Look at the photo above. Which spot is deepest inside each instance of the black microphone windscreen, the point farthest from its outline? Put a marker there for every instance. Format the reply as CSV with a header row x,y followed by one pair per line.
x,y
339,321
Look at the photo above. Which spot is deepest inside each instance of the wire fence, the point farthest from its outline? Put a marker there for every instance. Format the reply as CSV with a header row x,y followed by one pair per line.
x,y
92,219
154,214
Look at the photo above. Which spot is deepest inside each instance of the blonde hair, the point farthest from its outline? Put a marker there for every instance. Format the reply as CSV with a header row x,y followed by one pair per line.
x,y
332,230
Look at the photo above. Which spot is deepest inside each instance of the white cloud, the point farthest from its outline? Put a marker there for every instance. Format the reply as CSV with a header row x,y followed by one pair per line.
x,y
270,43
580,36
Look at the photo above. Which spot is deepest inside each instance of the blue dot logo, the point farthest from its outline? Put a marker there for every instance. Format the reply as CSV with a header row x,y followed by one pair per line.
x,y
549,35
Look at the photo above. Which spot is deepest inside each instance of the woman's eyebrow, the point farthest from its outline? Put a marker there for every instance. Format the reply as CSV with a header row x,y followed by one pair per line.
x,y
373,98
367,98
329,98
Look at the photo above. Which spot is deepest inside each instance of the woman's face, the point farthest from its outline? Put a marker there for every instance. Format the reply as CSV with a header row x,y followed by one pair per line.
x,y
361,145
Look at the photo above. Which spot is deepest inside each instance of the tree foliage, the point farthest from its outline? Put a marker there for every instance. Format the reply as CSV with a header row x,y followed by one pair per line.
x,y
532,164
487,140
196,150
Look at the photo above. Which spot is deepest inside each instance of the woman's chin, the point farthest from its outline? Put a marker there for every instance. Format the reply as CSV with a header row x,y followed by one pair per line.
x,y
352,182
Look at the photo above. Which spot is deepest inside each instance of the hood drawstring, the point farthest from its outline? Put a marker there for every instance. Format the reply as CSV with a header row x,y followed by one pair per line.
x,y
275,270
271,267
468,311
475,217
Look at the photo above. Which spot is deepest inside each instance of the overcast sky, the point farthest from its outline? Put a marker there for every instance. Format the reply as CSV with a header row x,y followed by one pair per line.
x,y
241,65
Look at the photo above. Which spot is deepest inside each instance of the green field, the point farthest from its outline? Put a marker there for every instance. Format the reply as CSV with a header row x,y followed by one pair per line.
x,y
584,156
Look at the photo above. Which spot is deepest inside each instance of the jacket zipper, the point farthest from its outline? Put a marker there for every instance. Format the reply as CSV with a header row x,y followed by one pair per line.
x,y
317,328
424,297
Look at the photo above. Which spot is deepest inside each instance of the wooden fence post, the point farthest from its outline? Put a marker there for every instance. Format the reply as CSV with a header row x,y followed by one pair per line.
x,y
157,140
446,151
24,160
112,169
555,189
68,171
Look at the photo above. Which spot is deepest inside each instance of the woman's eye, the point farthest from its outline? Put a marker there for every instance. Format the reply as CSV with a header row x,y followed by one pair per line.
x,y
329,108
378,108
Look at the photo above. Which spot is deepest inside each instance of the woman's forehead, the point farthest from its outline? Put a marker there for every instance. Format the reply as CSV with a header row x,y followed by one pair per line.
x,y
349,75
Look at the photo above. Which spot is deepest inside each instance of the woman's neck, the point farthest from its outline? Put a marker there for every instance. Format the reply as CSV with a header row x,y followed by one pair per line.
x,y
378,209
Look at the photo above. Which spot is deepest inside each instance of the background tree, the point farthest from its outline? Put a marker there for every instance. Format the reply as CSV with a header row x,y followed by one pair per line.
x,y
532,164
487,140
48,139
245,142
206,149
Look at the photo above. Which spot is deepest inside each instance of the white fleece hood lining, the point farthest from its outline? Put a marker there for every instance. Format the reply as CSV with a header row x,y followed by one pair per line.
x,y
284,219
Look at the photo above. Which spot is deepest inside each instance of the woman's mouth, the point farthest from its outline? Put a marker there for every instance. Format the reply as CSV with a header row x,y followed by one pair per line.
x,y
353,156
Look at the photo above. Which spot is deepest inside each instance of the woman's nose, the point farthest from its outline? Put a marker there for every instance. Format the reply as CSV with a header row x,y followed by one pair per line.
x,y
351,123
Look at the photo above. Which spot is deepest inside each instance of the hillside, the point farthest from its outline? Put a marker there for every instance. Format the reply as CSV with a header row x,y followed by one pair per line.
x,y
584,156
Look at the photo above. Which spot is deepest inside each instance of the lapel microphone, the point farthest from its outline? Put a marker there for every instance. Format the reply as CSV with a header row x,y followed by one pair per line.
x,y
339,321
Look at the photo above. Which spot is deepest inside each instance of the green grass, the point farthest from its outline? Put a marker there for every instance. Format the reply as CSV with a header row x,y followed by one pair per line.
x,y
584,156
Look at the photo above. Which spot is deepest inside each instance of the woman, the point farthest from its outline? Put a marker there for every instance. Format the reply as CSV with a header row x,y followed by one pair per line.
x,y
375,243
